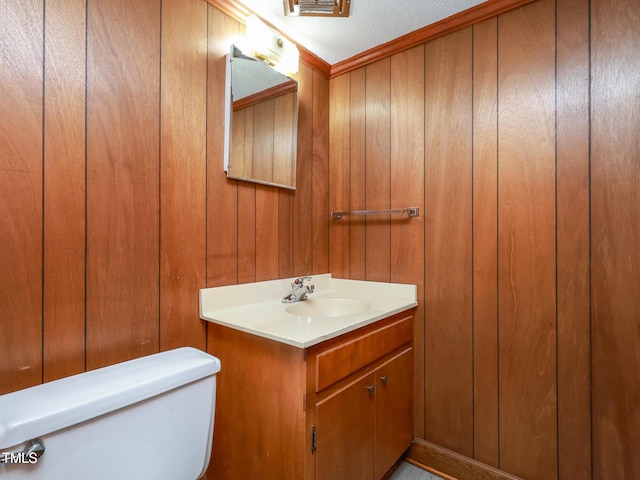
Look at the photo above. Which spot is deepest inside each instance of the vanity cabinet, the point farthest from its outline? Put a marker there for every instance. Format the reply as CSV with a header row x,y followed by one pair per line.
x,y
370,420
340,409
361,389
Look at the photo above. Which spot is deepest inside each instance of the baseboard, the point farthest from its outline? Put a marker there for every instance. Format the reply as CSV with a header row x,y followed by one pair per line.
x,y
433,458
438,473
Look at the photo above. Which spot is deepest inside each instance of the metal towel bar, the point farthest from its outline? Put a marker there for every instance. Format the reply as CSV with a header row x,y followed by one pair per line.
x,y
410,212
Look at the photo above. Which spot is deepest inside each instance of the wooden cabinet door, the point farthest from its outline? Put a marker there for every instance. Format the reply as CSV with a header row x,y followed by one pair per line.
x,y
345,429
394,410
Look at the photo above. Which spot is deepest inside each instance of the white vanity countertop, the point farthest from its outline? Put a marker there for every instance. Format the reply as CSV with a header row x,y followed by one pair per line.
x,y
257,308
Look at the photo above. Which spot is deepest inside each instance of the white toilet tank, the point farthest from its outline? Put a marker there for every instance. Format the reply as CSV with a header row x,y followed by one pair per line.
x,y
148,418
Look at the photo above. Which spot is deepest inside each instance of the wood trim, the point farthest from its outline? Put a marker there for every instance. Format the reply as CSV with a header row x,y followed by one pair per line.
x,y
435,458
438,473
451,24
240,13
269,93
481,12
314,61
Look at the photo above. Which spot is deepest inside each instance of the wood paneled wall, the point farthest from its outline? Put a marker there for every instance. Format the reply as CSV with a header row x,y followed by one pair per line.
x,y
615,237
517,138
115,209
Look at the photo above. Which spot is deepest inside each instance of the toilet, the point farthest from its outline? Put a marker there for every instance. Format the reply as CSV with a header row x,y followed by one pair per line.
x,y
149,418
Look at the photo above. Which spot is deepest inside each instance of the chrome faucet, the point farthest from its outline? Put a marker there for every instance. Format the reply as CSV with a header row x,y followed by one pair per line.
x,y
299,291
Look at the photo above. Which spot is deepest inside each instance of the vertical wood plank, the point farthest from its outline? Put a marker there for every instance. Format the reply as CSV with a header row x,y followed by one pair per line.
x,y
286,237
247,234
320,184
339,191
222,194
378,170
407,190
485,243
21,77
266,233
357,174
574,329
526,242
615,217
287,152
448,252
302,220
286,157
64,188
123,97
183,172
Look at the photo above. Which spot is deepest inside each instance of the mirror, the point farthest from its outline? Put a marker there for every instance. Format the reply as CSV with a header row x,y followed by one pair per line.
x,y
261,122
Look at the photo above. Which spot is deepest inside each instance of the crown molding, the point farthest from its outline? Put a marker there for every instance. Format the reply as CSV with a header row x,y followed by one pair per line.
x,y
483,11
476,14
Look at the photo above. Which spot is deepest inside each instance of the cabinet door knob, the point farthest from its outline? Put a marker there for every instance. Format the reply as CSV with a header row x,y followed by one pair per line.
x,y
384,379
371,389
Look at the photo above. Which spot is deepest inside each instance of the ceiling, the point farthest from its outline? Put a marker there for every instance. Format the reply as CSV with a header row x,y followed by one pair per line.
x,y
371,23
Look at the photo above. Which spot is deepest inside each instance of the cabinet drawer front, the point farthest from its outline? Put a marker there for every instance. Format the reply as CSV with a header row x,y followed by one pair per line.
x,y
342,360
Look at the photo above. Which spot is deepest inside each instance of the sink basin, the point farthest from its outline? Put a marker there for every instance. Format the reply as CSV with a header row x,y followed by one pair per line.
x,y
328,307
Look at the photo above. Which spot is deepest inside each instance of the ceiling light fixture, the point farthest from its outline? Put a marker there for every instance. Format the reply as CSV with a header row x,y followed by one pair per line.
x,y
317,8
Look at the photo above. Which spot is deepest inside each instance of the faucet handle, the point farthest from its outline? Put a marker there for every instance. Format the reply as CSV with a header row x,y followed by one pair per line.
x,y
299,282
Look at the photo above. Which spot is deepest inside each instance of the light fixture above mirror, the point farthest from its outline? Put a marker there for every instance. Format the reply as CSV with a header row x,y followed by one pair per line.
x,y
267,45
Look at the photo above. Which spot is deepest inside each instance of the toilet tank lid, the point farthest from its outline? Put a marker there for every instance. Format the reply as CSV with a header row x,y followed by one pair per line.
x,y
47,408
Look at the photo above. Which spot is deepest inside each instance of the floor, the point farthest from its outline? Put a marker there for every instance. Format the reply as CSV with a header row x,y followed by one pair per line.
x,y
406,471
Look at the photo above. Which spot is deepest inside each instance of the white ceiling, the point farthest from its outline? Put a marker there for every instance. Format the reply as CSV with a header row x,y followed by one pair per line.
x,y
370,23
